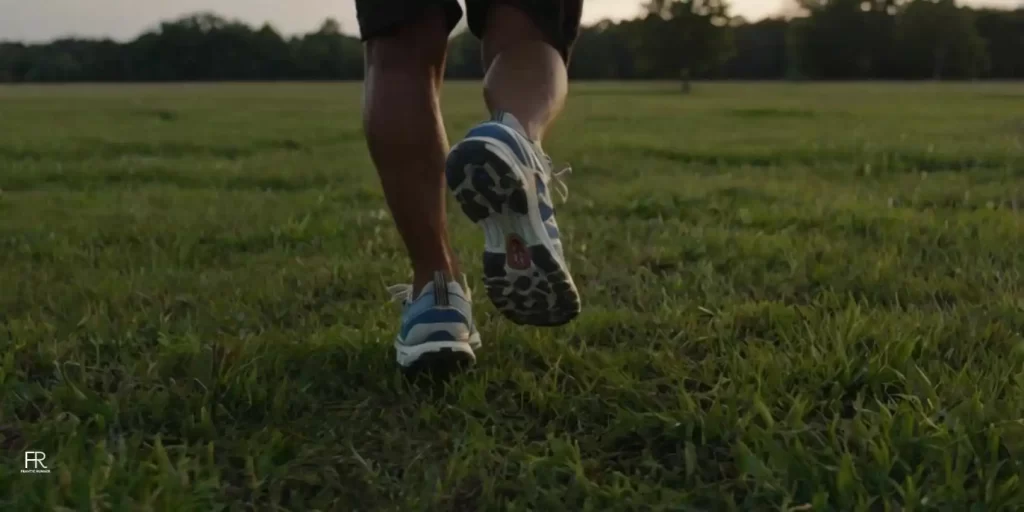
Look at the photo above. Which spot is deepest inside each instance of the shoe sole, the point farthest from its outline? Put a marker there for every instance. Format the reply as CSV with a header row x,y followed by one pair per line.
x,y
437,354
529,285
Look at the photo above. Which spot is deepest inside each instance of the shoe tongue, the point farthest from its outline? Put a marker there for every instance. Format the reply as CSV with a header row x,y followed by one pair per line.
x,y
507,119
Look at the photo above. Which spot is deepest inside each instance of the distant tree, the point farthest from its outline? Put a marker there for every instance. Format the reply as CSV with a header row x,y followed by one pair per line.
x,y
605,51
832,39
937,39
1003,34
846,39
273,54
683,34
327,54
464,57
9,54
761,50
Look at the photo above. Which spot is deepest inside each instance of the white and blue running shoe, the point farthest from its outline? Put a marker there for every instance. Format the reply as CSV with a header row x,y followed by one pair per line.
x,y
437,325
501,178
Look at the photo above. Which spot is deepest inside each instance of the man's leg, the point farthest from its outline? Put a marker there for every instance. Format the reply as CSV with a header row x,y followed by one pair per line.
x,y
526,75
406,137
406,42
499,173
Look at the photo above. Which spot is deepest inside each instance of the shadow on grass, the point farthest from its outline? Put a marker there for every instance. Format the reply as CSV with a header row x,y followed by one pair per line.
x,y
168,176
772,113
112,150
626,91
158,114
886,161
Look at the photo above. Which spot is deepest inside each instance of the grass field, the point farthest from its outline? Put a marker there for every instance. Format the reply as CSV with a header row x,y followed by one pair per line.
x,y
796,297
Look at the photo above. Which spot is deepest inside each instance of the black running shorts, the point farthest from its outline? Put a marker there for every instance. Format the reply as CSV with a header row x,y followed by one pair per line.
x,y
559,20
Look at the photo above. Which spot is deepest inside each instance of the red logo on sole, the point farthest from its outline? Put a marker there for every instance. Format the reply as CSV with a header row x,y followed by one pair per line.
x,y
517,256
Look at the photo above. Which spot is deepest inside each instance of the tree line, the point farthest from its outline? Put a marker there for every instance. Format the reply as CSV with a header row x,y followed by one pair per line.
x,y
830,40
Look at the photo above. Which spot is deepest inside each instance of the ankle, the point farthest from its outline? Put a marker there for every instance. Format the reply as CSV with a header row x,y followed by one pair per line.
x,y
534,131
422,278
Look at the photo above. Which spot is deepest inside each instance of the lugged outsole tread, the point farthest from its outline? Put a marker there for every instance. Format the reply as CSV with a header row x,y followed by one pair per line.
x,y
484,185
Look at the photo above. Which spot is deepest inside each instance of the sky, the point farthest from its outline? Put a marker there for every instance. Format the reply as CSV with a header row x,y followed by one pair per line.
x,y
43,20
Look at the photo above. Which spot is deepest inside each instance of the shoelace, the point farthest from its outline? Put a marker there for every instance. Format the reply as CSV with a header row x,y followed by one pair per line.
x,y
560,185
400,292
404,292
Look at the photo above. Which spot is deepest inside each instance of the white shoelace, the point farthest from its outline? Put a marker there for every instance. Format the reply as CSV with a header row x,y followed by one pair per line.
x,y
560,185
405,292
401,292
